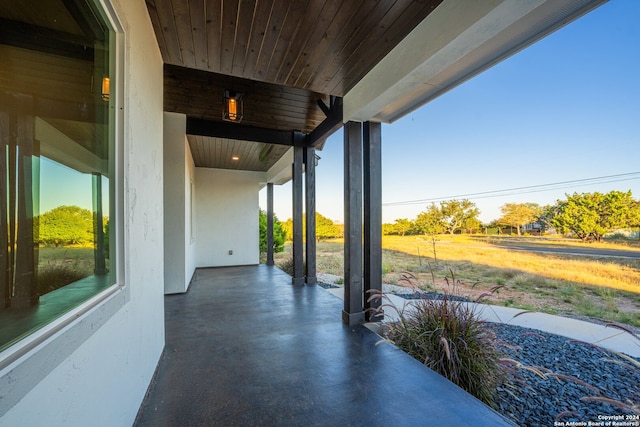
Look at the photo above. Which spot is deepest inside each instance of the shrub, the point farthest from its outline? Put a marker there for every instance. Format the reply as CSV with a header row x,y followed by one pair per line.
x,y
287,266
57,276
448,337
278,233
508,273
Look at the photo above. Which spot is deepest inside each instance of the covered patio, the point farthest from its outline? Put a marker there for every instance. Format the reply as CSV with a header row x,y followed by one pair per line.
x,y
200,104
252,89
244,347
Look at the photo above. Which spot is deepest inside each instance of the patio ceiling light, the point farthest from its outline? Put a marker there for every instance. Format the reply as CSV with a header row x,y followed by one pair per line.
x,y
105,88
232,109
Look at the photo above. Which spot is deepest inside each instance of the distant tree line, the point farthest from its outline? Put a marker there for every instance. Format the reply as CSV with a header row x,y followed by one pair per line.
x,y
325,228
451,216
587,216
283,231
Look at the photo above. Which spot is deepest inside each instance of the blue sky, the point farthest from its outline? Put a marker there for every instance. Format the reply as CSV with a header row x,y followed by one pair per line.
x,y
565,109
60,185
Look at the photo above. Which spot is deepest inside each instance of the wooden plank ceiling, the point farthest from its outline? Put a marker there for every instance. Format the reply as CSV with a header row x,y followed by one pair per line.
x,y
284,55
211,152
323,46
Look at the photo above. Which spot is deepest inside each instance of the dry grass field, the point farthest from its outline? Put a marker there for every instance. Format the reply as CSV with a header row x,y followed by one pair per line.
x,y
76,258
604,288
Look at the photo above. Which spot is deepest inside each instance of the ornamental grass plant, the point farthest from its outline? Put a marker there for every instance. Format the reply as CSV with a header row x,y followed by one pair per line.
x,y
286,265
447,336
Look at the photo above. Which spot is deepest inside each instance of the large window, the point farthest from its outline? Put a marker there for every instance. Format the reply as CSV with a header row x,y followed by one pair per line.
x,y
57,160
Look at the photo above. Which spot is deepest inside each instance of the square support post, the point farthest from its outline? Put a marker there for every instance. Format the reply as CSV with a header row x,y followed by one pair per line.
x,y
270,242
310,199
372,155
298,159
353,312
100,264
23,171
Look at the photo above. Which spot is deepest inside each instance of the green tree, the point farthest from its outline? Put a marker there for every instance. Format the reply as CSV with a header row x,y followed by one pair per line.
x,y
519,214
591,215
472,225
326,228
66,225
278,233
287,226
402,227
456,213
388,229
429,222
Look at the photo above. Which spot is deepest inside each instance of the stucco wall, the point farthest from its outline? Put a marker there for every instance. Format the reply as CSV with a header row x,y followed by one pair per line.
x,y
189,215
227,217
178,170
103,381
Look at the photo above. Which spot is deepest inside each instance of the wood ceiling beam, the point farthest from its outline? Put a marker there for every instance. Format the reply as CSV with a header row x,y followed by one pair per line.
x,y
324,107
332,123
238,131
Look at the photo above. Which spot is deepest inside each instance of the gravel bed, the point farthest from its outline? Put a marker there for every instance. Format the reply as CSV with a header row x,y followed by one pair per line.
x,y
543,401
430,295
327,285
551,399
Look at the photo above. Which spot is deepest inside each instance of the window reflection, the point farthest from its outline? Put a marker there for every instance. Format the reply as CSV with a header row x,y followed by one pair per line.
x,y
56,162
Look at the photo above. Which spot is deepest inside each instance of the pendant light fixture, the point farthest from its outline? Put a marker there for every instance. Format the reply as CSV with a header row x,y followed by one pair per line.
x,y
232,110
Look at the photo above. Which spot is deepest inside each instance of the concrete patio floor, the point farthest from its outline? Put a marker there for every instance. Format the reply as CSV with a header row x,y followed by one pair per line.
x,y
245,347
